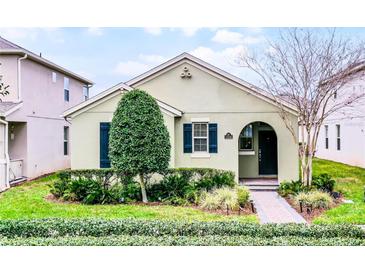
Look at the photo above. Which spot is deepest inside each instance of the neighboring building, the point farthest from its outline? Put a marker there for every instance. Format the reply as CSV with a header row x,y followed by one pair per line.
x,y
34,137
342,136
214,119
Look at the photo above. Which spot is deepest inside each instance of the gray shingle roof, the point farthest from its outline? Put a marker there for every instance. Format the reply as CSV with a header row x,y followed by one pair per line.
x,y
5,44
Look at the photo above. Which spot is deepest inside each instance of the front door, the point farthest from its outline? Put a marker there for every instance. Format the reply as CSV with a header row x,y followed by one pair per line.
x,y
268,157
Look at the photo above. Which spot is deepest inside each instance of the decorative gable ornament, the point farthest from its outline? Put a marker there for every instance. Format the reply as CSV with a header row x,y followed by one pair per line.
x,y
185,73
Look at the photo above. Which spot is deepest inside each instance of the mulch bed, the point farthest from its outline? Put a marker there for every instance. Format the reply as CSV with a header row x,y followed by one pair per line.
x,y
309,216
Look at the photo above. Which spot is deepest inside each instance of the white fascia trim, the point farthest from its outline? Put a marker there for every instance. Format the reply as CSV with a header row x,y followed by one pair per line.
x,y
99,97
10,111
43,61
110,93
223,75
200,120
174,111
92,105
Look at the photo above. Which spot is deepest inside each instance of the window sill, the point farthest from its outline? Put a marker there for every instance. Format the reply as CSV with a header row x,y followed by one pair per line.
x,y
246,152
200,155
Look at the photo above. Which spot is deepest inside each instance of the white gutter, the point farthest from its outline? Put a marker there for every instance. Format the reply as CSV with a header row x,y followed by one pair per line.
x,y
47,63
19,77
7,158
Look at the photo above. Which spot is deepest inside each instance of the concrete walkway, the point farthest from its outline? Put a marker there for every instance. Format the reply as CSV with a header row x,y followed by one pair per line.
x,y
272,208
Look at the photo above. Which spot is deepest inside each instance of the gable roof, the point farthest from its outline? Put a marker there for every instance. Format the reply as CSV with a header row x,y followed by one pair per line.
x,y
109,93
184,57
7,47
230,78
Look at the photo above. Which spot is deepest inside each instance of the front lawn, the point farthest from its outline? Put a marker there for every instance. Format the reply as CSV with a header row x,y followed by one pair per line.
x,y
28,201
350,181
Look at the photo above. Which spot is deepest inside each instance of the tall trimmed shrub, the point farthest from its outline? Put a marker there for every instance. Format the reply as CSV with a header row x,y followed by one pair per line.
x,y
139,140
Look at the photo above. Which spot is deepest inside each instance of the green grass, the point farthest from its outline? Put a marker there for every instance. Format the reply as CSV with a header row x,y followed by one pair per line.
x,y
350,181
28,202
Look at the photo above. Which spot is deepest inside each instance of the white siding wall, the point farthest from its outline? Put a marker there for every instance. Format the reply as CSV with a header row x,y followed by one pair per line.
x,y
352,124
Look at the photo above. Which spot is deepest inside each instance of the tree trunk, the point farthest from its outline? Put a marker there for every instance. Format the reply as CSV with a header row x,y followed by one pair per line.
x,y
309,169
143,189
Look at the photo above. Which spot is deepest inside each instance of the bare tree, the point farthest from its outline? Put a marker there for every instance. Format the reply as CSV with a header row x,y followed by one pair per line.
x,y
308,68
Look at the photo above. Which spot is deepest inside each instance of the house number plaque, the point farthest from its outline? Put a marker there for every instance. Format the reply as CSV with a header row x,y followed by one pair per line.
x,y
228,136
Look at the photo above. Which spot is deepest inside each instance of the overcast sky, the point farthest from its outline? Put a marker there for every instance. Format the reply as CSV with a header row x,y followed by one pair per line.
x,y
108,56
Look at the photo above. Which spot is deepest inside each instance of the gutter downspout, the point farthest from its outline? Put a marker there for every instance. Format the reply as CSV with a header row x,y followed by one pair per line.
x,y
6,152
19,77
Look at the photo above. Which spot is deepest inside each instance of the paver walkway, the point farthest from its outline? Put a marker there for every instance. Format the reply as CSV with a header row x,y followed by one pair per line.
x,y
272,208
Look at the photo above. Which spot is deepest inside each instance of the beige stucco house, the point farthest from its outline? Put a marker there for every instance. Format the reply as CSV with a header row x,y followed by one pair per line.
x,y
214,119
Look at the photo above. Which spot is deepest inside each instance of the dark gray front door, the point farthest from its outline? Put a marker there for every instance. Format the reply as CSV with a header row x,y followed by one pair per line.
x,y
268,157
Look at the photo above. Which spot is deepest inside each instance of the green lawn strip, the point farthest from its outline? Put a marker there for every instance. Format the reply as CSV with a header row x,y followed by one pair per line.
x,y
28,201
350,181
182,241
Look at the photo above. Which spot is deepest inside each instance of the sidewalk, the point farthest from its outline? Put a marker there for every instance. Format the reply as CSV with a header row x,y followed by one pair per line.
x,y
272,208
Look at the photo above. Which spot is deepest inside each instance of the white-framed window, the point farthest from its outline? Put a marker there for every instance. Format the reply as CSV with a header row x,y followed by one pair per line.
x,y
85,92
65,140
54,77
200,137
246,138
66,89
338,134
326,136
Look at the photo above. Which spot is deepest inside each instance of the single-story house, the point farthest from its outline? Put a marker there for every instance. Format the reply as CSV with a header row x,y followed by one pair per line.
x,y
215,120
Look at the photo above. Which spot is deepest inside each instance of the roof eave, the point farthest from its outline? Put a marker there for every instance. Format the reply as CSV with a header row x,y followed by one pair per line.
x,y
47,63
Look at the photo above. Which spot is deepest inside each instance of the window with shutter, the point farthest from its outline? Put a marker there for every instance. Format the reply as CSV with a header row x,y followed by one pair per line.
x,y
104,145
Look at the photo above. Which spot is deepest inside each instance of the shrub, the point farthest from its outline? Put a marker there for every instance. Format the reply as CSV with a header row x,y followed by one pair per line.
x,y
139,140
221,198
187,184
291,188
210,240
95,186
155,228
314,199
178,186
210,201
243,195
324,182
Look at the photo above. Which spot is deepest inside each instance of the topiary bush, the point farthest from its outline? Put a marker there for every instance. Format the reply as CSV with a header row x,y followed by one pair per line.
x,y
139,140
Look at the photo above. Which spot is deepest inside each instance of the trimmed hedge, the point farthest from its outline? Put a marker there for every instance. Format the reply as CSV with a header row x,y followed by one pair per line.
x,y
182,241
131,227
